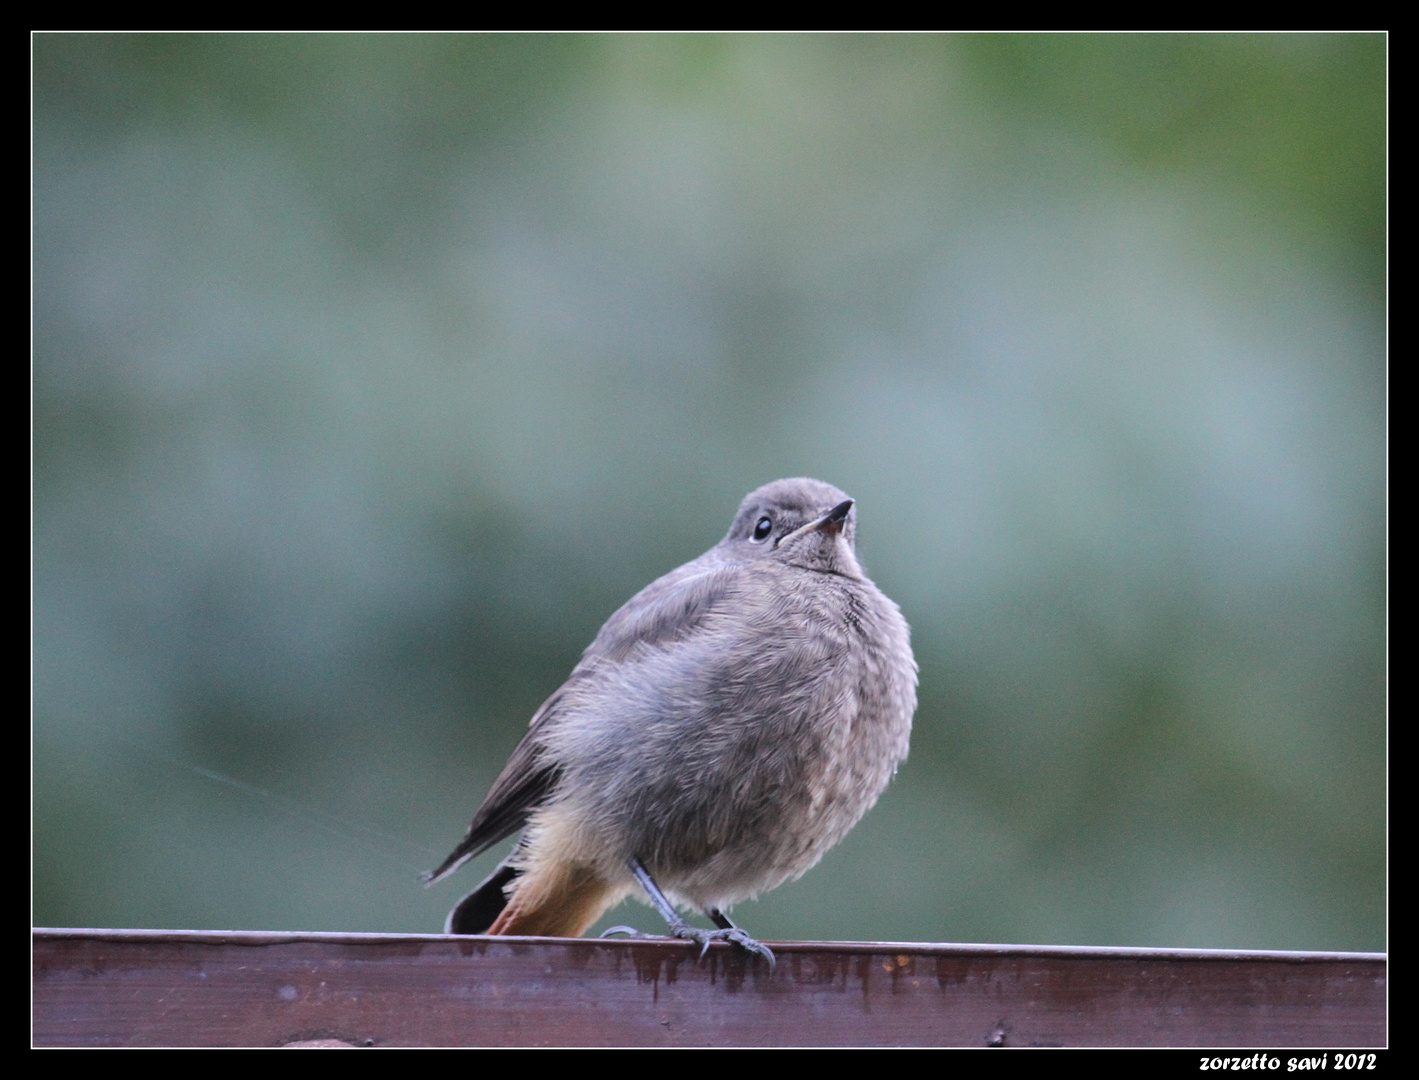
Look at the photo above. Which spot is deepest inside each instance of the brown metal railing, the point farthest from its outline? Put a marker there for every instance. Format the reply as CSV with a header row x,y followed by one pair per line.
x,y
204,988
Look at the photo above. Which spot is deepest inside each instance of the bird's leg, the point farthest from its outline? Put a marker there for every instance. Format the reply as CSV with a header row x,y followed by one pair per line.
x,y
678,927
681,929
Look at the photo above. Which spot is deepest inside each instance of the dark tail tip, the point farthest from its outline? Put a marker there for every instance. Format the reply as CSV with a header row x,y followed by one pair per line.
x,y
479,909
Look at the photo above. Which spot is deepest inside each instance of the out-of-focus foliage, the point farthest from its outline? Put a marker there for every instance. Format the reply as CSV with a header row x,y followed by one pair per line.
x,y
371,373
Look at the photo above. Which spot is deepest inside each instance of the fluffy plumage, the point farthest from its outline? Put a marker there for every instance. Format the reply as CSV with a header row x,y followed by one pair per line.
x,y
729,724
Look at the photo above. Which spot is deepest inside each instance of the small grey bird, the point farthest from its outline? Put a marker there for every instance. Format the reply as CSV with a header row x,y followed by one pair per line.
x,y
726,728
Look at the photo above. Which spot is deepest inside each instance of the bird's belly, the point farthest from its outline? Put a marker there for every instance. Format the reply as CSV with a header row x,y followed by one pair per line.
x,y
790,789
726,780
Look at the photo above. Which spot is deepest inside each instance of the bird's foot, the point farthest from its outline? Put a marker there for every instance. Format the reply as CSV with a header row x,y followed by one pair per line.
x,y
703,938
629,931
681,929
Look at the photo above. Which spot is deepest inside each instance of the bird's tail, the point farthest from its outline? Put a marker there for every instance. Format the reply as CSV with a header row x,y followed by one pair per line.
x,y
477,911
548,901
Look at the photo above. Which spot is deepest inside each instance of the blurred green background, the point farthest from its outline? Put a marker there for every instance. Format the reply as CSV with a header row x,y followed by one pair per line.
x,y
372,373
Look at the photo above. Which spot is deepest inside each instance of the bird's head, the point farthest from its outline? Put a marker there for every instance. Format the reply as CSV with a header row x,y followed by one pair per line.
x,y
801,522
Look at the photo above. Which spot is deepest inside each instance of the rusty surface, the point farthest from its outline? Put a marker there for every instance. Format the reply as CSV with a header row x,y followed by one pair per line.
x,y
202,988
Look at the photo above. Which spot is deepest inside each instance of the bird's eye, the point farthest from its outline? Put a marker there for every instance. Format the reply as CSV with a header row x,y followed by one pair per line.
x,y
762,528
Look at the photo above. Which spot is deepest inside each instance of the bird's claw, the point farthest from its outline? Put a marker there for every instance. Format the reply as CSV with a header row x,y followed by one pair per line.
x,y
703,938
629,931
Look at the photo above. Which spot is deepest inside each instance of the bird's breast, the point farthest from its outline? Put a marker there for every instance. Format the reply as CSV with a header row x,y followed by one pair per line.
x,y
731,759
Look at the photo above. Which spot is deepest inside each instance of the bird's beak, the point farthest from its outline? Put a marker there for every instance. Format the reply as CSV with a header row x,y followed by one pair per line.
x,y
830,523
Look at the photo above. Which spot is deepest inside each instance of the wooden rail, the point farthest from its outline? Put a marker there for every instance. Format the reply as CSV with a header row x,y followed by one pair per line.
x,y
204,988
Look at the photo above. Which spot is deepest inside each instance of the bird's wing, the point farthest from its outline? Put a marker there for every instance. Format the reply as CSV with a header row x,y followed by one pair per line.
x,y
664,611
519,789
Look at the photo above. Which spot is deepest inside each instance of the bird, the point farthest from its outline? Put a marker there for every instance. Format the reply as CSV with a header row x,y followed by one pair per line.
x,y
729,724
